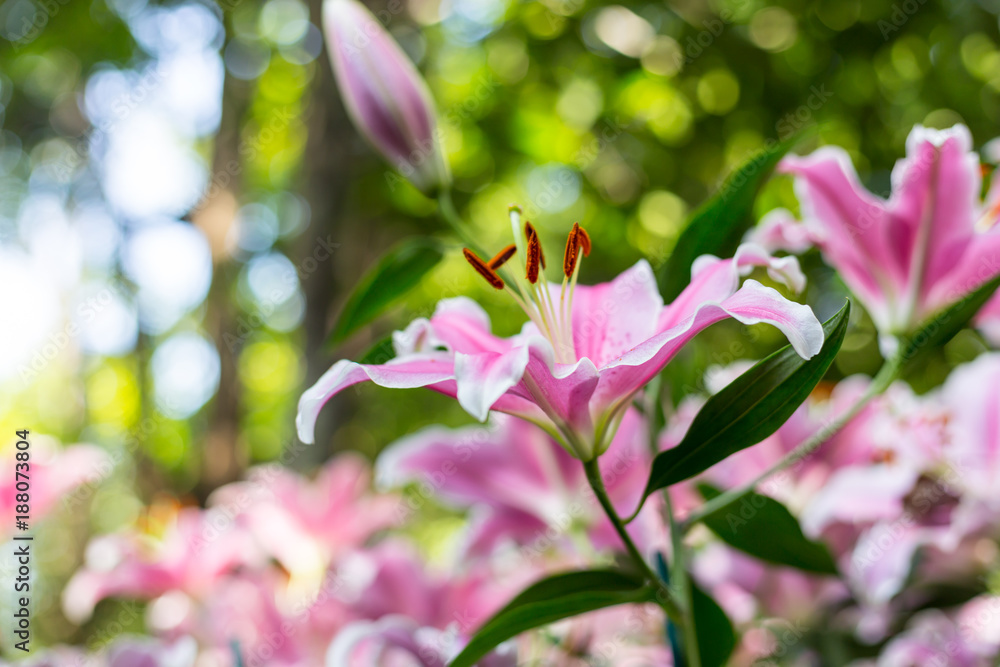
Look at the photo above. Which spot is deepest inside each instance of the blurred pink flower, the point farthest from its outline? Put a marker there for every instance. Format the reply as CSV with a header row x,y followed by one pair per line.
x,y
384,94
531,491
972,393
391,579
124,651
53,474
146,652
778,230
574,375
859,475
988,320
624,636
750,589
398,641
303,523
186,553
874,462
932,638
925,248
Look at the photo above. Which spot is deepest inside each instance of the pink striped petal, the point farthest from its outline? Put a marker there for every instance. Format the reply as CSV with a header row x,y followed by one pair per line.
x,y
714,279
752,304
403,373
610,318
851,227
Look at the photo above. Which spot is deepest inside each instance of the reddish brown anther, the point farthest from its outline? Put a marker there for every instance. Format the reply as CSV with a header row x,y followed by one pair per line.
x,y
576,241
529,231
534,257
483,269
584,238
501,257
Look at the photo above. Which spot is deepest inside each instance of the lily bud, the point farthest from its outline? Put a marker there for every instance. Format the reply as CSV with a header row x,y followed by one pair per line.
x,y
386,97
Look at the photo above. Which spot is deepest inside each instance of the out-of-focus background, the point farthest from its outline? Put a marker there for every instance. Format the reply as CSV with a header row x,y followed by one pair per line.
x,y
183,202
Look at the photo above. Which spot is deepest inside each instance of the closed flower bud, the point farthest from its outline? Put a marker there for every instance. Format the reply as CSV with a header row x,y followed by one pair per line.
x,y
384,94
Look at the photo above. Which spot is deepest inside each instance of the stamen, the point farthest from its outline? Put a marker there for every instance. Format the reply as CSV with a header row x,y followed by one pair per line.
x,y
534,257
584,239
572,251
577,240
501,257
484,269
529,231
532,293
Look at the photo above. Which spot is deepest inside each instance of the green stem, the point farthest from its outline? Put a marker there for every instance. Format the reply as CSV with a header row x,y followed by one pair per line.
x,y
679,579
885,377
663,596
446,207
652,408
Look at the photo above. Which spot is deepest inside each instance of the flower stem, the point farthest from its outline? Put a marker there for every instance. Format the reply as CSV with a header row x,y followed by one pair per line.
x,y
663,595
678,574
679,579
885,377
448,213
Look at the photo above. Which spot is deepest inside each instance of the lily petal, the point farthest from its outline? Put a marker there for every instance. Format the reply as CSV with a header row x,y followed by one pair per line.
x,y
562,391
935,196
752,304
483,378
414,371
848,223
714,279
610,318
462,325
778,230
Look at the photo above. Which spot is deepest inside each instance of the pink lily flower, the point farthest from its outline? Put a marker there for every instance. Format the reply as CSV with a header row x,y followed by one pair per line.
x,y
923,249
988,320
585,352
306,524
385,96
54,474
749,589
874,463
189,556
402,606
972,393
124,651
778,230
398,641
972,458
932,638
521,488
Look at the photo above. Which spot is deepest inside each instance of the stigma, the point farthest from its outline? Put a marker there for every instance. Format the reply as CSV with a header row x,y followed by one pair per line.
x,y
518,271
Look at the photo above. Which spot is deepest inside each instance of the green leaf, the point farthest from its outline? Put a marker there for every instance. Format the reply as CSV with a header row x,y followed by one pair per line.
x,y
944,325
718,225
397,272
379,353
765,529
716,637
749,409
552,599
